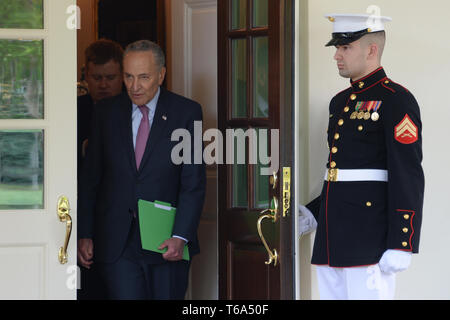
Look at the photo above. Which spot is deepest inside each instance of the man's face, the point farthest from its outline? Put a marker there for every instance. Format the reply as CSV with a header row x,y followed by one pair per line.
x,y
104,80
351,60
142,76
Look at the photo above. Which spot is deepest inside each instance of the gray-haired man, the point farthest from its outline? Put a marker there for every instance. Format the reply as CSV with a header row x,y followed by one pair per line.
x,y
129,158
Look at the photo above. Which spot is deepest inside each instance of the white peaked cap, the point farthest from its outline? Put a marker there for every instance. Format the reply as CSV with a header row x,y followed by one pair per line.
x,y
350,27
357,22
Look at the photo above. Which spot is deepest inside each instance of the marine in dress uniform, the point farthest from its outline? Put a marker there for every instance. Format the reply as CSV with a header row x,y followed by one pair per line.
x,y
372,197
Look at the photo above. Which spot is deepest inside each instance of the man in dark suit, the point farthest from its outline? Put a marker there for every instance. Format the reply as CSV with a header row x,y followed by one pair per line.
x,y
103,75
129,158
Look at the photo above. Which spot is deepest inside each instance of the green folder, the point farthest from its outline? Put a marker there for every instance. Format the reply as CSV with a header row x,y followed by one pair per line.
x,y
156,221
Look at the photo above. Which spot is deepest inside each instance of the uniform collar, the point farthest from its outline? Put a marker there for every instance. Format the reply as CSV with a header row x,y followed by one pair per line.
x,y
369,80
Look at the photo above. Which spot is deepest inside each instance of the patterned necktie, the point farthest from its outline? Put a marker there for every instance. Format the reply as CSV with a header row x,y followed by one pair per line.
x,y
142,135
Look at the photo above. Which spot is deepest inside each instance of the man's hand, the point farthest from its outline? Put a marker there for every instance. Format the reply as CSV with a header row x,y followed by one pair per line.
x,y
306,221
394,261
85,252
175,247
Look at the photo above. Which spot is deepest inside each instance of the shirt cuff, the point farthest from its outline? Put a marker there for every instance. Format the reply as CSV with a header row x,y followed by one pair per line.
x,y
175,236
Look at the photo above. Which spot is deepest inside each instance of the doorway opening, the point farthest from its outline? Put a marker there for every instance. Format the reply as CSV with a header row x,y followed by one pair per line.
x,y
123,23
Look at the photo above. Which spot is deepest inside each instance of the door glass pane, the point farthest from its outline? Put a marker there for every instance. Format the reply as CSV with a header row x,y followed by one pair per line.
x,y
21,14
239,78
260,10
21,169
239,172
21,79
261,77
261,182
238,14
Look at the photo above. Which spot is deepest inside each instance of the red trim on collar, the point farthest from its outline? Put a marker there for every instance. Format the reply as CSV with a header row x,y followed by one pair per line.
x,y
365,77
371,85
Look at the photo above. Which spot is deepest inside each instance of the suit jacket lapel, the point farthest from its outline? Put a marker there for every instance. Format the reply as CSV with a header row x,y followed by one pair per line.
x,y
157,128
127,131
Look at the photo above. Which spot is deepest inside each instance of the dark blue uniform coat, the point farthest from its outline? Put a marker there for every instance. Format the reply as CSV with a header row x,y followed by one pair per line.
x,y
359,221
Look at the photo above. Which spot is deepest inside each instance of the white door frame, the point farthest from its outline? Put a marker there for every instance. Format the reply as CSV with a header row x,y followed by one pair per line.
x,y
193,74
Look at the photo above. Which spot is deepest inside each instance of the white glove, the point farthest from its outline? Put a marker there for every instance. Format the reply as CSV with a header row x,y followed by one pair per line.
x,y
306,221
394,261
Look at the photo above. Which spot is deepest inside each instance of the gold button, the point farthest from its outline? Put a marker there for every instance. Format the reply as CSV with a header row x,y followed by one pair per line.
x,y
333,164
406,216
336,136
369,30
346,109
405,230
331,19
353,97
340,122
334,150
405,244
360,128
386,82
368,203
331,116
361,85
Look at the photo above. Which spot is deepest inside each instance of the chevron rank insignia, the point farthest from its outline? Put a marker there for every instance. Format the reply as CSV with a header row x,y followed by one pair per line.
x,y
406,131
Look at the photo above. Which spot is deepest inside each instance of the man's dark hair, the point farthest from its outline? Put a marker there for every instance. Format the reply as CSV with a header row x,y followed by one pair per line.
x,y
102,51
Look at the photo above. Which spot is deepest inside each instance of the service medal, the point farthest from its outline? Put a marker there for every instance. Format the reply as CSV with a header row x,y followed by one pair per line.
x,y
375,116
360,115
353,115
367,115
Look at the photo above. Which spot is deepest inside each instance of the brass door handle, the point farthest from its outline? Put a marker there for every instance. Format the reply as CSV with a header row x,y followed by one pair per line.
x,y
64,216
273,255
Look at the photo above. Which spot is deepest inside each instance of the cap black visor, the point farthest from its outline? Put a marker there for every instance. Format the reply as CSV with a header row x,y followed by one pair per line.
x,y
343,38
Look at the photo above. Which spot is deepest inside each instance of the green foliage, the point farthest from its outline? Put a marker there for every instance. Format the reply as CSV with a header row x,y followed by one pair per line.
x,y
21,14
21,156
21,79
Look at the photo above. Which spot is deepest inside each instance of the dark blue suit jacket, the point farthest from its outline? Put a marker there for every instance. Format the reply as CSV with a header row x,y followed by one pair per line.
x,y
111,184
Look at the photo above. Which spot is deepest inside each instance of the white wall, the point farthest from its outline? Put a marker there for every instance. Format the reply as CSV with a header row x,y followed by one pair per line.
x,y
417,55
